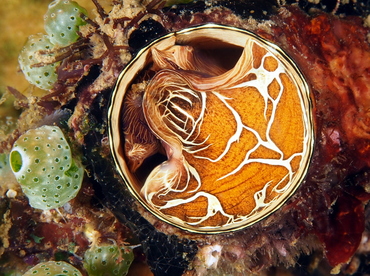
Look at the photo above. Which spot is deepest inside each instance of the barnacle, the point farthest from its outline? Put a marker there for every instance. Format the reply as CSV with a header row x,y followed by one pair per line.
x,y
108,259
53,268
42,162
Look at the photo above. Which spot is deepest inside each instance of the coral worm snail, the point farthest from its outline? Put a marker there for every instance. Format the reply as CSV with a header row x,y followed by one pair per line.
x,y
221,118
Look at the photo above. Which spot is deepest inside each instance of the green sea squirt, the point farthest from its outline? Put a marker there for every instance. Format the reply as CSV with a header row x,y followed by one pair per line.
x,y
62,21
42,162
101,259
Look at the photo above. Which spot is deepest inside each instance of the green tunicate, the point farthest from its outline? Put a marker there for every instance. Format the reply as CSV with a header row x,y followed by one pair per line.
x,y
104,260
42,162
43,76
53,269
62,21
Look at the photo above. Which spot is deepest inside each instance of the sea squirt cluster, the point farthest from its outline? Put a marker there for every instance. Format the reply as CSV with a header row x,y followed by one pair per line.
x,y
62,22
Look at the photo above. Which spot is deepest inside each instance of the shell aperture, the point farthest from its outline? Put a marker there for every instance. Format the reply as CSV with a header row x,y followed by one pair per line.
x,y
211,128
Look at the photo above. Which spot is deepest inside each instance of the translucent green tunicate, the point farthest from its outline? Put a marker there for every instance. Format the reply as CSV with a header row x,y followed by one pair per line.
x,y
42,163
104,260
43,76
62,21
53,268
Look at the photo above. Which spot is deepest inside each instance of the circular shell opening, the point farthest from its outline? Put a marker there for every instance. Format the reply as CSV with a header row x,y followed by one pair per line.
x,y
211,128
